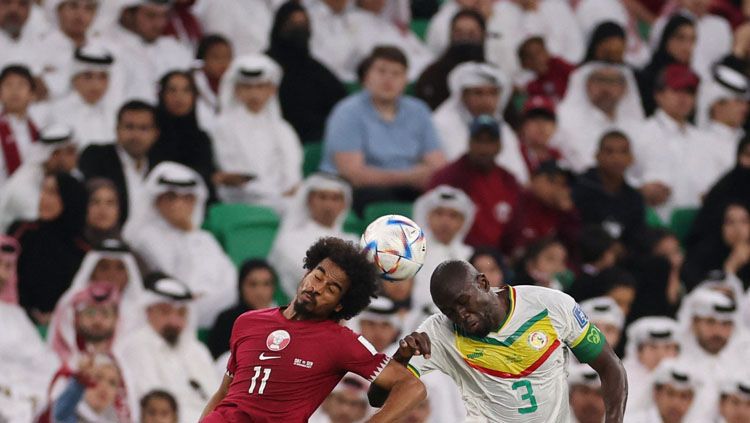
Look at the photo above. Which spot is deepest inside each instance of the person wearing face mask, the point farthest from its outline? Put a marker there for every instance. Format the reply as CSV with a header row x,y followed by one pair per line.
x,y
466,45
308,89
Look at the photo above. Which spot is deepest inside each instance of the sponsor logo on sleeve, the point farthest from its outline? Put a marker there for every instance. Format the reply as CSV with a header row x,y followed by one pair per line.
x,y
580,316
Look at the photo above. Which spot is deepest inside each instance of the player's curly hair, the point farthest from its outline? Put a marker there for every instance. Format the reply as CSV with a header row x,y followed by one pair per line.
x,y
353,261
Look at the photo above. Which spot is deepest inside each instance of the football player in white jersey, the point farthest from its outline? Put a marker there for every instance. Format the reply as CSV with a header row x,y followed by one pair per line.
x,y
507,349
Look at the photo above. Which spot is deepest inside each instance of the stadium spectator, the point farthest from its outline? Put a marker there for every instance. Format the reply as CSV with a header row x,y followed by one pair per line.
x,y
51,247
159,406
308,90
467,34
102,213
649,341
54,152
676,45
167,234
607,43
18,132
165,354
478,89
258,152
256,285
181,138
318,209
670,147
603,195
727,250
600,97
438,34
734,399
544,209
347,403
333,35
18,36
94,392
28,364
586,399
543,264
126,162
245,25
713,38
90,107
493,189
71,21
596,251
548,74
215,55
607,316
490,262
381,141
445,214
138,35
380,324
673,395
618,284
538,127
183,24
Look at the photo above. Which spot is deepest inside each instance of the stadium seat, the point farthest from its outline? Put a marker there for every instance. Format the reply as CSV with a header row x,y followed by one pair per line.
x,y
653,220
375,210
681,222
419,27
313,155
243,230
352,87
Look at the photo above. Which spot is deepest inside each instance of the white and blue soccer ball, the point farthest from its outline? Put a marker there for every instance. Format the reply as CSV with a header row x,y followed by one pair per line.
x,y
396,245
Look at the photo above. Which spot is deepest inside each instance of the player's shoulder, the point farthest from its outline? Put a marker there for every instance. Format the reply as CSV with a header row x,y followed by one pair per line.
x,y
436,324
253,316
541,295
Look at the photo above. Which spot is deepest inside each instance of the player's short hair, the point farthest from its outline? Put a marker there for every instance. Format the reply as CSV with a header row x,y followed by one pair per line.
x,y
159,394
358,268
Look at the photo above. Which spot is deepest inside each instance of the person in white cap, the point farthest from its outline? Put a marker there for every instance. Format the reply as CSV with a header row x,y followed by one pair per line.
x,y
347,403
55,151
600,97
446,214
734,400
257,150
166,354
673,393
90,107
650,340
167,233
607,316
478,89
586,399
318,209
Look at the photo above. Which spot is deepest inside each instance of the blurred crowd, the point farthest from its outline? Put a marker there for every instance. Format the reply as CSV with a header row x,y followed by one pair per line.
x,y
592,146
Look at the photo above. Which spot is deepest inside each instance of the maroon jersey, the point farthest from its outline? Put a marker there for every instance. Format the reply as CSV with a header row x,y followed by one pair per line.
x,y
283,369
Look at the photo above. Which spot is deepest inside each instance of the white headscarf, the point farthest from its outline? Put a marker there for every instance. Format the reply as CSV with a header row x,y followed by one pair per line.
x,y
604,309
629,108
297,214
51,6
476,74
708,303
241,70
649,329
726,83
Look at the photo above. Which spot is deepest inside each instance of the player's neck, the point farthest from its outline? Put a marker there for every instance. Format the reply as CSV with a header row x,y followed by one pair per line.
x,y
503,297
291,314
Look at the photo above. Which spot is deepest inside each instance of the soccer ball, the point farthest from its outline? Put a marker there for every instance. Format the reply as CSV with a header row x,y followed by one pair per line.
x,y
396,245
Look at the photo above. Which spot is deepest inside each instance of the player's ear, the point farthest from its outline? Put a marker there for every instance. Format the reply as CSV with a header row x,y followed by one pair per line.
x,y
338,308
483,282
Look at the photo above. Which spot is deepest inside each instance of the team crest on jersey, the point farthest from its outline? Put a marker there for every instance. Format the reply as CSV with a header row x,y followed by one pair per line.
x,y
278,340
580,316
537,340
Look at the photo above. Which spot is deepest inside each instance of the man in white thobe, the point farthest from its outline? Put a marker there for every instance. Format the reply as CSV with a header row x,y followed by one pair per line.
x,y
19,35
333,37
247,24
673,394
478,89
585,393
166,354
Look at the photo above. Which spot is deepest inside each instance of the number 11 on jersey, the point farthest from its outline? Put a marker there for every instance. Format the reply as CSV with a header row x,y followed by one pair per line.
x,y
262,387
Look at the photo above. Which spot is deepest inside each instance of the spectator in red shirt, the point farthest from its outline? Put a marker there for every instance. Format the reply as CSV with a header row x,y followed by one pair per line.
x,y
538,126
551,73
545,209
492,189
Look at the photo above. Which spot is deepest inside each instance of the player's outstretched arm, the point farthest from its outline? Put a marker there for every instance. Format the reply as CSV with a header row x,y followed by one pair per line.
x,y
414,344
614,383
218,396
406,392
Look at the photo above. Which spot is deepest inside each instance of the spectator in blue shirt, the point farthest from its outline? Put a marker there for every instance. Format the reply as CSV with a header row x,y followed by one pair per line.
x,y
383,142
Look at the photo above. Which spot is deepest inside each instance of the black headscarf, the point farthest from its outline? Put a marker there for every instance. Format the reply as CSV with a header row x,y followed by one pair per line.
x,y
602,32
659,60
181,139
308,90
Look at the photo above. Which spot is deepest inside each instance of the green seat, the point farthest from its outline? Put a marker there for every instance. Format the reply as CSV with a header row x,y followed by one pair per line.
x,y
375,210
243,230
353,224
352,87
42,330
203,335
681,222
653,220
313,155
419,27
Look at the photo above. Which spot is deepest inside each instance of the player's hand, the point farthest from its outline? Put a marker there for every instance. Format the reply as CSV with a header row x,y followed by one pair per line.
x,y
417,343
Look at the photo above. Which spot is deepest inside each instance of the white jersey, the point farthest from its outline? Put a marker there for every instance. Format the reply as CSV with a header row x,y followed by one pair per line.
x,y
517,373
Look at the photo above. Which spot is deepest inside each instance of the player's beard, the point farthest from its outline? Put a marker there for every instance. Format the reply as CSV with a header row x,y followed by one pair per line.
x,y
171,335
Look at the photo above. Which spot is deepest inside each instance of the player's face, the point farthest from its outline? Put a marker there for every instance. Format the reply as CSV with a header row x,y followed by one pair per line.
x,y
735,409
472,309
96,323
587,404
712,334
325,206
102,395
257,288
158,410
168,320
111,270
444,223
380,334
319,294
652,353
672,403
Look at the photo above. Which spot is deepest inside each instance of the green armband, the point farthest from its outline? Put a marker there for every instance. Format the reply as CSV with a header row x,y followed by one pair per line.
x,y
588,345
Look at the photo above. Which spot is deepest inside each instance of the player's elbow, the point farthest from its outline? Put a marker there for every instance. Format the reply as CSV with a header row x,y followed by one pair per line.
x,y
415,388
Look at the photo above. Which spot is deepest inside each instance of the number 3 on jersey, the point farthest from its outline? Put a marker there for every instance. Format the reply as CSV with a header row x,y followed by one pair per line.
x,y
528,396
262,387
